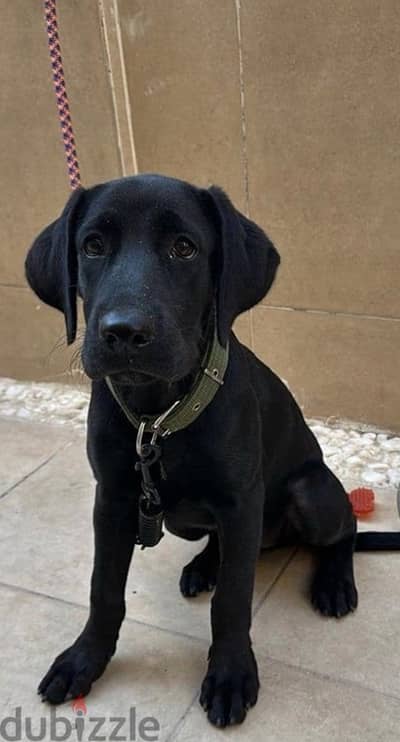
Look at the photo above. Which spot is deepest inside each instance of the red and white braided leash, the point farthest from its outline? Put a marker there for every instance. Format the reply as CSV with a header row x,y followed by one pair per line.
x,y
61,93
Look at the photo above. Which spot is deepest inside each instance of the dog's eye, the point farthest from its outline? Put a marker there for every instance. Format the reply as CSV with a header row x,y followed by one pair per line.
x,y
93,247
183,248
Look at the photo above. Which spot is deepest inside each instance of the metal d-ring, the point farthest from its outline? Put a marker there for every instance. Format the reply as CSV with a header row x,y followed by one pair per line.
x,y
155,429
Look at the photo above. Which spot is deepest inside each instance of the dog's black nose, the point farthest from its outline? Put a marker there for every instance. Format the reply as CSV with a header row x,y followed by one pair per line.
x,y
120,328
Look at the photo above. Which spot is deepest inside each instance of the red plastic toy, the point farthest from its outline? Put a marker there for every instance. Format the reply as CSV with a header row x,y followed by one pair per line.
x,y
362,501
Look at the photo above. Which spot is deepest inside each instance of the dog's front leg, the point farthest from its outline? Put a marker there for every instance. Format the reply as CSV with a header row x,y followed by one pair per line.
x,y
115,526
231,684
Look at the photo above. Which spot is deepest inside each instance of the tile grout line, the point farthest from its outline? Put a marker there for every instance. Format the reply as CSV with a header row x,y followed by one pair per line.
x,y
33,471
127,619
176,728
243,127
39,594
329,313
275,580
280,307
5,285
242,107
269,657
173,632
331,678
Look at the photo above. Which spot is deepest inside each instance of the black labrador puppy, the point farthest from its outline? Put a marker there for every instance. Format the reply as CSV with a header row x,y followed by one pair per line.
x,y
220,445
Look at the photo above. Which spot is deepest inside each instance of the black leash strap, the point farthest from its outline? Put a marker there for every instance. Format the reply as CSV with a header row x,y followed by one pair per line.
x,y
151,513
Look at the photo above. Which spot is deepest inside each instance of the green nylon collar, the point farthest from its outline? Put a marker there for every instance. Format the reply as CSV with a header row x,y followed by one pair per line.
x,y
187,410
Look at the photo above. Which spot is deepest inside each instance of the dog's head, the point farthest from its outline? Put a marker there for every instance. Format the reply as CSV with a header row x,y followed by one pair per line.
x,y
150,256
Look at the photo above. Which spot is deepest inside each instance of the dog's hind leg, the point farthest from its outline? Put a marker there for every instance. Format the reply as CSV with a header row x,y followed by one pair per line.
x,y
201,573
321,514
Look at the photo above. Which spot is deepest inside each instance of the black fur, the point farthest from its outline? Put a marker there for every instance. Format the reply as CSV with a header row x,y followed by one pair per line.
x,y
248,471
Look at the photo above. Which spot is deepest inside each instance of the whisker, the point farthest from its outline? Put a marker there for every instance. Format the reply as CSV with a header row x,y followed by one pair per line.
x,y
59,343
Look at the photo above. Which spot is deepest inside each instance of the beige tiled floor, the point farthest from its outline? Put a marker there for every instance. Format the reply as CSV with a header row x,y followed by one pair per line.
x,y
322,679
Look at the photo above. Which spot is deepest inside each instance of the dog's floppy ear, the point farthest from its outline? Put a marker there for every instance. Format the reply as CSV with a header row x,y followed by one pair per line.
x,y
51,265
248,264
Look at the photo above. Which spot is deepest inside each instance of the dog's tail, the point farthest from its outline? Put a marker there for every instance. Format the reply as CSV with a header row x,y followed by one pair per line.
x,y
378,541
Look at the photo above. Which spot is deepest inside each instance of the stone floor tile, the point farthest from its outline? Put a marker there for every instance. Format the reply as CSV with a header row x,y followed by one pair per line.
x,y
24,446
153,672
297,706
363,647
47,544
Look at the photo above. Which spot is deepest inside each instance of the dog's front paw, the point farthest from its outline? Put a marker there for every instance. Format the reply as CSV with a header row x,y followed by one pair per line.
x,y
198,576
231,685
333,595
73,672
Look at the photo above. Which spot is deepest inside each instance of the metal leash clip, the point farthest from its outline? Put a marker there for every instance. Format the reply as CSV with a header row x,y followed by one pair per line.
x,y
151,514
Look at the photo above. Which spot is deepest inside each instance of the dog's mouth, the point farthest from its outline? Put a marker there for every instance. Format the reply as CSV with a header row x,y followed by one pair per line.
x,y
166,363
130,373
133,378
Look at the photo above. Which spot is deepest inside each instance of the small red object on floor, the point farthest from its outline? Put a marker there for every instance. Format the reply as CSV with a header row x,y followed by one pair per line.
x,y
362,501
